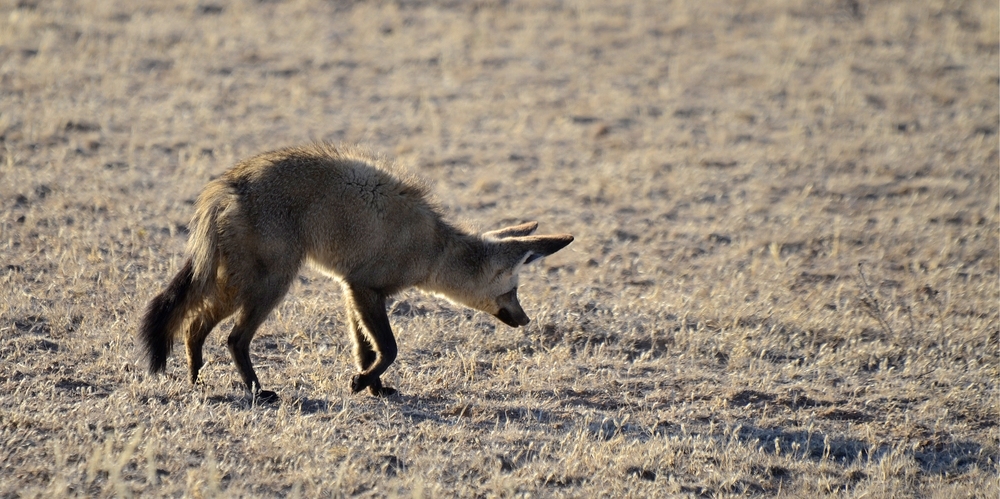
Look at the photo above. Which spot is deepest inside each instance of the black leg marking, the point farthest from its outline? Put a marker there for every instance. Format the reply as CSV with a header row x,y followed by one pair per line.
x,y
374,334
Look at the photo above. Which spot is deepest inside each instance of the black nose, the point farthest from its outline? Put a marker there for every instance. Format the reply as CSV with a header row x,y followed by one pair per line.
x,y
508,318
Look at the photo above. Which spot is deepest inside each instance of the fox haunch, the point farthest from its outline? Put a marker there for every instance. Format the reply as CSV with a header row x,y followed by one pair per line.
x,y
353,215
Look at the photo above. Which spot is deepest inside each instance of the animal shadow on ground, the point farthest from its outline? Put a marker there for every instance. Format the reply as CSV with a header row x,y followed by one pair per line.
x,y
304,405
307,405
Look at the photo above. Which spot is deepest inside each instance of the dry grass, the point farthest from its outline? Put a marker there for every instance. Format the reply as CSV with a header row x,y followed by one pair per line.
x,y
785,278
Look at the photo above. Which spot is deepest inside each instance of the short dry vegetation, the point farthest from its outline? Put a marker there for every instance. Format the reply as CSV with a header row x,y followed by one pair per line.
x,y
784,279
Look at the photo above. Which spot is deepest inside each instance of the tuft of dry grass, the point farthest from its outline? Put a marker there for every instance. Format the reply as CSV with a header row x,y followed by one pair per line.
x,y
784,279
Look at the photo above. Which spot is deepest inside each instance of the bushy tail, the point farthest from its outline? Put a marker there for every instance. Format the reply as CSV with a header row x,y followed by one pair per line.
x,y
164,316
192,285
203,244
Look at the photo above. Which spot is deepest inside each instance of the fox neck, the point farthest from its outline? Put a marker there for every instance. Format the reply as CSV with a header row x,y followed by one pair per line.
x,y
459,267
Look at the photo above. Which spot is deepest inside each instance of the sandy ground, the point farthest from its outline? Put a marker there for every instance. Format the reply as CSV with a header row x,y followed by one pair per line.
x,y
784,280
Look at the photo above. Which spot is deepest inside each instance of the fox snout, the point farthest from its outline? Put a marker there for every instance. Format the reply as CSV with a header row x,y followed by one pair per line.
x,y
511,312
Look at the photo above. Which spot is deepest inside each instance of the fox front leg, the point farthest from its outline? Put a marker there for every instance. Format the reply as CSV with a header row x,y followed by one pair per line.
x,y
375,345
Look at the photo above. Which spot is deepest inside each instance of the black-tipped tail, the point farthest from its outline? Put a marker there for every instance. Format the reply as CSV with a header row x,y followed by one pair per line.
x,y
163,316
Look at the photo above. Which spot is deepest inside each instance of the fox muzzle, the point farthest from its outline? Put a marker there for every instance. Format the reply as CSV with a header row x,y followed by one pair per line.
x,y
511,312
507,318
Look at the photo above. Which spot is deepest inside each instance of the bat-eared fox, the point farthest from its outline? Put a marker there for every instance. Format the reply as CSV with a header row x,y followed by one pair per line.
x,y
353,215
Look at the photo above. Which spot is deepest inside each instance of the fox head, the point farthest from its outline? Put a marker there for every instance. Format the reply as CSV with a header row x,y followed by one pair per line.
x,y
493,289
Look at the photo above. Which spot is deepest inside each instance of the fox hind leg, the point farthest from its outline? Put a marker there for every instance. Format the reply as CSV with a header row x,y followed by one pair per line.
x,y
239,347
375,346
255,308
198,331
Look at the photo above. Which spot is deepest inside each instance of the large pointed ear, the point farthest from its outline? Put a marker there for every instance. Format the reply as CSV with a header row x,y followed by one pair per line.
x,y
534,247
524,229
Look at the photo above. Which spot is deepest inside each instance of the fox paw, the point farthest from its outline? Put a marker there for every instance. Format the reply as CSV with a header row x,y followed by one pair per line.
x,y
266,396
382,391
360,382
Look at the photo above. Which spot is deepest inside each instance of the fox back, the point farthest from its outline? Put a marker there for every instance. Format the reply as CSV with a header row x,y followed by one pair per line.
x,y
353,213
